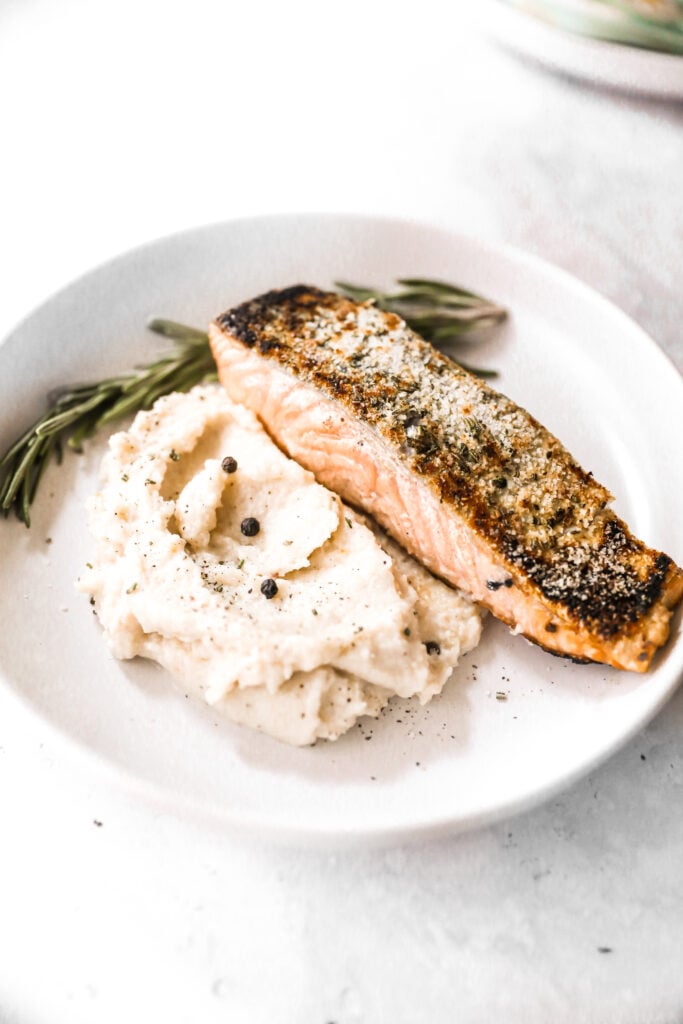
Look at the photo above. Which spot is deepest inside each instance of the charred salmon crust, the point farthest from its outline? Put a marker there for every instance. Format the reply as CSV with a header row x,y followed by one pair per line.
x,y
466,480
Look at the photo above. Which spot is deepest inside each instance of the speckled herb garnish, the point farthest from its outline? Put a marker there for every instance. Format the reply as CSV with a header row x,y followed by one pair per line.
x,y
440,312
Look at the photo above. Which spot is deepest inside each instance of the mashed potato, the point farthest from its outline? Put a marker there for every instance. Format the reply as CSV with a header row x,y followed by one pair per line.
x,y
253,585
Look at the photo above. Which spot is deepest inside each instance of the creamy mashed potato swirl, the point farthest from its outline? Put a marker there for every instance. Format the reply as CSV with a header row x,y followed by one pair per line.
x,y
189,548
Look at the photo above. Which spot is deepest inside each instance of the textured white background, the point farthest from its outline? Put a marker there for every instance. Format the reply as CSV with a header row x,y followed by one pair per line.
x,y
121,122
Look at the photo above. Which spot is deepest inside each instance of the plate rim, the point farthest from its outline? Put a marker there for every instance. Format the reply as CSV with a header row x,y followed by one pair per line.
x,y
250,824
570,54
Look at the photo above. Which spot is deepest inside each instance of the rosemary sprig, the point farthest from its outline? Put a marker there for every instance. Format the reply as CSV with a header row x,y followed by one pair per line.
x,y
440,312
77,413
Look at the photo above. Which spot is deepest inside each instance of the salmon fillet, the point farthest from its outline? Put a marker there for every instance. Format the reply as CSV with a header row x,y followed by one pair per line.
x,y
467,481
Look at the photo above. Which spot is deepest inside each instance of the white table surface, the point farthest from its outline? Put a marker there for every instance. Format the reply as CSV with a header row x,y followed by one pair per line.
x,y
121,122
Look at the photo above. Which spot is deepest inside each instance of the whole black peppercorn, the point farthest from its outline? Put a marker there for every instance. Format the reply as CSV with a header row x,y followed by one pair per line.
x,y
250,527
229,465
269,588
432,647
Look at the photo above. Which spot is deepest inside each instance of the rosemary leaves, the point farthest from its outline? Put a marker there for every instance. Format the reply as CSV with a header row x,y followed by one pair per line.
x,y
75,414
440,312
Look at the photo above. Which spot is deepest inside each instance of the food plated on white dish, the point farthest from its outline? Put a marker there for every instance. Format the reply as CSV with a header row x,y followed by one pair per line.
x,y
585,51
506,703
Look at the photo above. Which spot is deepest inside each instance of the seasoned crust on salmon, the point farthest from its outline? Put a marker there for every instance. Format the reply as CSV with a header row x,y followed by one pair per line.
x,y
466,480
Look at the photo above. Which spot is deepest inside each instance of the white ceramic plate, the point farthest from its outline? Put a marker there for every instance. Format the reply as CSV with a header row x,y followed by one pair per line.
x,y
628,68
574,360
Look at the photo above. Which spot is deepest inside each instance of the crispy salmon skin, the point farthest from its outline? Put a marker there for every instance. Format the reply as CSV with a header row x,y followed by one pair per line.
x,y
467,481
